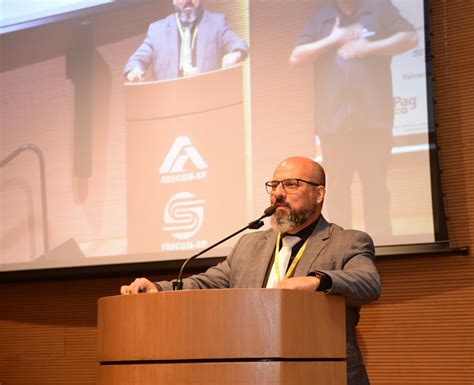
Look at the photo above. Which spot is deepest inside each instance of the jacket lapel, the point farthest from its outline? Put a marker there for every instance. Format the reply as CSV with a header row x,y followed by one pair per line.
x,y
172,46
317,241
265,258
202,38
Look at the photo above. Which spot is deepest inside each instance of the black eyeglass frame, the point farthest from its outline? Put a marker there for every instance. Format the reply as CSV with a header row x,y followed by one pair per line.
x,y
270,188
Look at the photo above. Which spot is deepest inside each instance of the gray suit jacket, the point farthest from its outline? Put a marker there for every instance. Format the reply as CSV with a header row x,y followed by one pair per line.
x,y
160,47
347,256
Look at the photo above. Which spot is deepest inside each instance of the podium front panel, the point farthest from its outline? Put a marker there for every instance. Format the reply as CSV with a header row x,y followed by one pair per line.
x,y
222,324
226,336
186,182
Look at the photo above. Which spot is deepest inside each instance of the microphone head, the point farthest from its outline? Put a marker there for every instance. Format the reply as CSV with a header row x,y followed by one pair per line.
x,y
269,211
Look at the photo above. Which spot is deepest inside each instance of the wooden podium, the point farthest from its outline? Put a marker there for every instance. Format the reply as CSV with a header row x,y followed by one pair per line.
x,y
185,150
227,336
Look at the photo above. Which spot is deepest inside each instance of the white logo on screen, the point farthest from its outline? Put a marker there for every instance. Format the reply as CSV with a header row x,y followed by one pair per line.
x,y
180,152
184,215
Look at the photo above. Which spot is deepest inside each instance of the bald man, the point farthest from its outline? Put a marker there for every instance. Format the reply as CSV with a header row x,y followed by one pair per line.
x,y
187,42
325,258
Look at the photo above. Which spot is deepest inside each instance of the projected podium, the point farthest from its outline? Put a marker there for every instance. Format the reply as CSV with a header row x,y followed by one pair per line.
x,y
185,160
231,336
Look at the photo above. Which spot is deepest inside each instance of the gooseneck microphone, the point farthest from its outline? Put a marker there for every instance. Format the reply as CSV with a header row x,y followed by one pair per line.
x,y
254,225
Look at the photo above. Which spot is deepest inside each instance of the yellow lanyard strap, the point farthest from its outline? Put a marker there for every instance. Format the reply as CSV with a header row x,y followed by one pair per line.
x,y
293,264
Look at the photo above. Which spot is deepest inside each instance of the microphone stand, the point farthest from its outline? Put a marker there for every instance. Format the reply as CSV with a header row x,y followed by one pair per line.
x,y
254,225
44,203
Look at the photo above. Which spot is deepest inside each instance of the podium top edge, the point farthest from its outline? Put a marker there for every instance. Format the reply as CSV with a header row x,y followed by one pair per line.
x,y
219,292
186,78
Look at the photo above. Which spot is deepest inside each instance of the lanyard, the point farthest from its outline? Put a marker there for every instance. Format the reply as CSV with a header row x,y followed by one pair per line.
x,y
181,34
293,264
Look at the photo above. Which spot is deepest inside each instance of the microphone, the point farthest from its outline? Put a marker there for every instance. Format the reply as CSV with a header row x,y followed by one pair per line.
x,y
254,225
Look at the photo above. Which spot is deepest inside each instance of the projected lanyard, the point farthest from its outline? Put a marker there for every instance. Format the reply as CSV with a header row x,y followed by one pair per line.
x,y
185,61
293,264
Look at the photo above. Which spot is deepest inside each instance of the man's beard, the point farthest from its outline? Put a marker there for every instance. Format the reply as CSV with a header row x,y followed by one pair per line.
x,y
188,16
284,221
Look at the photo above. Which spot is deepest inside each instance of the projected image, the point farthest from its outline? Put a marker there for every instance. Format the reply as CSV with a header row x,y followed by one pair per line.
x,y
160,123
188,42
350,45
354,98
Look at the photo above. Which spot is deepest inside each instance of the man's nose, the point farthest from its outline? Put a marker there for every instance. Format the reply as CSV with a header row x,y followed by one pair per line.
x,y
279,192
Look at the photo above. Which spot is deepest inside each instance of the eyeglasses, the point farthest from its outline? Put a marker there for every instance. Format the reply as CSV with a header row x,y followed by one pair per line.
x,y
289,185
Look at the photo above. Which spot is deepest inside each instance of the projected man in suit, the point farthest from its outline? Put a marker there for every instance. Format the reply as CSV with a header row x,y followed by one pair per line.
x,y
351,44
187,42
326,258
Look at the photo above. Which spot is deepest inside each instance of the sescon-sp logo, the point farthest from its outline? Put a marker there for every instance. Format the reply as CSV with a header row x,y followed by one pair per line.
x,y
183,218
181,154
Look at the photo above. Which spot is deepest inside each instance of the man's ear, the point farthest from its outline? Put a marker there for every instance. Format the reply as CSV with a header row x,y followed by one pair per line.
x,y
321,194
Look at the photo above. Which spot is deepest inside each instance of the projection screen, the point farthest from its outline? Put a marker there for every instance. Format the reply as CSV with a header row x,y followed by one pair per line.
x,y
159,170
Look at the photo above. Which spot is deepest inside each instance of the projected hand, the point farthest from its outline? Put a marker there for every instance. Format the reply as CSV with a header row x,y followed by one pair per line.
x,y
232,58
354,49
341,35
300,283
140,285
135,75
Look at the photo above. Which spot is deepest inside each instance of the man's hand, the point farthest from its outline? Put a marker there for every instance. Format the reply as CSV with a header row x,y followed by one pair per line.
x,y
309,52
136,75
140,285
300,283
341,35
355,49
232,58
